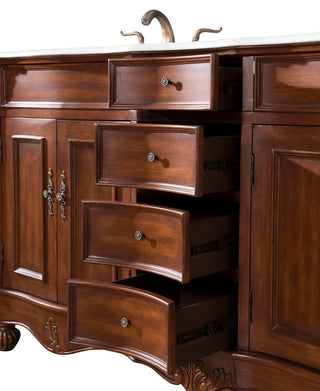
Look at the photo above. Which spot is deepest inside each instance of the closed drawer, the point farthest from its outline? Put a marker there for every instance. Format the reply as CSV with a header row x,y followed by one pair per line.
x,y
287,83
166,157
167,241
74,85
134,317
185,82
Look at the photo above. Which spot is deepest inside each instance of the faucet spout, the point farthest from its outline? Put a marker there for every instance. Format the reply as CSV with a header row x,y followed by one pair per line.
x,y
167,32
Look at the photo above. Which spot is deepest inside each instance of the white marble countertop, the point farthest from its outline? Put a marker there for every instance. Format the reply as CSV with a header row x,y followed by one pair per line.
x,y
218,43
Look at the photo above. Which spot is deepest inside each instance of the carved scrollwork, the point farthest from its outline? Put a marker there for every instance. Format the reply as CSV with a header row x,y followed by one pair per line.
x,y
53,335
193,378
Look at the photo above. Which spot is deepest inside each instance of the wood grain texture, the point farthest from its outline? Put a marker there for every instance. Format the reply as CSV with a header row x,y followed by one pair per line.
x,y
30,234
109,237
47,321
83,85
257,372
75,155
136,83
96,311
184,162
244,237
248,91
152,306
179,245
287,83
122,156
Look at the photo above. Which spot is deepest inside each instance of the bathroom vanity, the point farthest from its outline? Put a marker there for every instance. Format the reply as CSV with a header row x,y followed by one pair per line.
x,y
163,202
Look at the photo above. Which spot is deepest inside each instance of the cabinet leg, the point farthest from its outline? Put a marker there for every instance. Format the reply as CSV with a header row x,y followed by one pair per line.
x,y
9,337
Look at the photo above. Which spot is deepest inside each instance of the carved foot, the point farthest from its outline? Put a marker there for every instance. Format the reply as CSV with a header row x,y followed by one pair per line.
x,y
9,337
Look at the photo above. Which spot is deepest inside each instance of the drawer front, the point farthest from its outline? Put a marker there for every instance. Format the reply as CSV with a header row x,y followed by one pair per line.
x,y
74,85
160,157
123,319
186,82
285,83
137,236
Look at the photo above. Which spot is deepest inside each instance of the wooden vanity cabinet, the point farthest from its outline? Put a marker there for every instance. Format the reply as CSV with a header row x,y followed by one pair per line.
x,y
108,263
71,222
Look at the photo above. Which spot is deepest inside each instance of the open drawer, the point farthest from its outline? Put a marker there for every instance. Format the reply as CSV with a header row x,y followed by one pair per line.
x,y
173,83
153,319
173,158
175,243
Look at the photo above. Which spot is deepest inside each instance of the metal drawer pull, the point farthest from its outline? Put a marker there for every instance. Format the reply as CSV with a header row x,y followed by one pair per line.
x,y
139,235
62,196
165,81
151,157
125,322
49,193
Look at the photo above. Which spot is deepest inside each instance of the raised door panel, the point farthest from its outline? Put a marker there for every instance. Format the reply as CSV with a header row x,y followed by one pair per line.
x,y
76,158
28,219
286,243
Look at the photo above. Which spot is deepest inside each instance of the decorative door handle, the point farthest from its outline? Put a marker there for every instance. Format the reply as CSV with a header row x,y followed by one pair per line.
x,y
62,196
49,193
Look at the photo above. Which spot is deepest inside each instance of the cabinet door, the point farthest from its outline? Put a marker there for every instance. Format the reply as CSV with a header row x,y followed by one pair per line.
x,y
76,161
286,243
29,231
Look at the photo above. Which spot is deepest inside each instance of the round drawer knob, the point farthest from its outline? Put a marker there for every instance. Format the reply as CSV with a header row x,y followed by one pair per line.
x,y
165,81
138,235
151,157
124,322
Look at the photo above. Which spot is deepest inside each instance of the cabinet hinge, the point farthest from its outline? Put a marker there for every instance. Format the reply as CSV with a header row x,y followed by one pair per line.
x,y
250,307
2,255
253,160
1,150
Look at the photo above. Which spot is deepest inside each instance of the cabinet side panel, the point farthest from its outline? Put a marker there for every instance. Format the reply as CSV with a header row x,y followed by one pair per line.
x,y
76,157
244,236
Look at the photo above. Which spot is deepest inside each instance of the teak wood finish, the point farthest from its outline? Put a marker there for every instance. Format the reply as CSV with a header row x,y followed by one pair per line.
x,y
71,275
181,160
171,242
155,329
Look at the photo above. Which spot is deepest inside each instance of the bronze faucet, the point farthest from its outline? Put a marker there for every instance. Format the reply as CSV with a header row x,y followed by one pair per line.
x,y
167,32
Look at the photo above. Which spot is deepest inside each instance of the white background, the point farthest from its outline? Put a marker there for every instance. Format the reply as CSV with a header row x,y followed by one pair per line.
x,y
35,24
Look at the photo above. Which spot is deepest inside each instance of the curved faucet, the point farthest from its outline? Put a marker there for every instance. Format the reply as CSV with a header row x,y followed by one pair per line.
x,y
167,32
